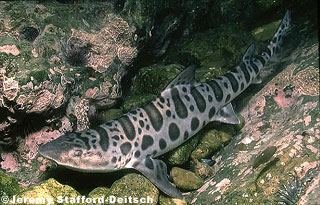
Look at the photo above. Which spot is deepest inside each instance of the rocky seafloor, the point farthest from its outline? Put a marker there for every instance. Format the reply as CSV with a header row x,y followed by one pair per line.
x,y
69,65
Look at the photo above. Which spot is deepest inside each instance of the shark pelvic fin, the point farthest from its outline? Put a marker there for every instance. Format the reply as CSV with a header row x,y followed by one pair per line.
x,y
257,80
227,115
186,76
156,171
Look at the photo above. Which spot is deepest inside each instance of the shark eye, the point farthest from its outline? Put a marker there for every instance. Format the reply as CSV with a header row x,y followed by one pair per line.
x,y
77,153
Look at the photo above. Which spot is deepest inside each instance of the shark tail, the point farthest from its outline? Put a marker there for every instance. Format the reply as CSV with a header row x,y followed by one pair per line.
x,y
277,39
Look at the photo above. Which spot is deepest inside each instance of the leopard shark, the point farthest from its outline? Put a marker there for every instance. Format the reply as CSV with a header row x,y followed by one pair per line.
x,y
137,138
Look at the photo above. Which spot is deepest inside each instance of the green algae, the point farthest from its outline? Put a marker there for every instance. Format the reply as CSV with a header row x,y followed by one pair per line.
x,y
265,32
264,156
181,154
50,189
136,101
155,78
185,179
134,185
8,185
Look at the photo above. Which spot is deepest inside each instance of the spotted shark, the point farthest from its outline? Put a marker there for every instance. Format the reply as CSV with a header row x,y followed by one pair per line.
x,y
185,106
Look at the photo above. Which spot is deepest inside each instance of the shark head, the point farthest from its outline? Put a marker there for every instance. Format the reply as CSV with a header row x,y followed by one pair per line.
x,y
73,153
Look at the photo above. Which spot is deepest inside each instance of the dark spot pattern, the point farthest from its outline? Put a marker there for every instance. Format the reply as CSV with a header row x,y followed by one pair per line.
x,y
225,85
147,127
228,98
83,139
162,100
104,138
255,68
216,89
212,112
114,144
191,108
160,105
210,98
268,51
187,98
116,137
125,148
194,123
186,135
184,89
136,144
162,144
233,81
114,159
245,72
137,154
147,141
168,113
199,99
141,123
139,131
179,106
242,86
154,115
127,127
135,164
149,163
174,131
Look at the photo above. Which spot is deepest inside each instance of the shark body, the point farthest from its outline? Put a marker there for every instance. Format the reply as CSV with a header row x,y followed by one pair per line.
x,y
179,112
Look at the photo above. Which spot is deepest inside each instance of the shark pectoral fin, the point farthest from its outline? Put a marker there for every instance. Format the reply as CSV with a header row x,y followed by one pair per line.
x,y
156,171
227,115
257,80
186,76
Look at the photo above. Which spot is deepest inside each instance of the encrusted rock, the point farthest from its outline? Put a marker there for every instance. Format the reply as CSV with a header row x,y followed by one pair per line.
x,y
50,189
185,179
134,185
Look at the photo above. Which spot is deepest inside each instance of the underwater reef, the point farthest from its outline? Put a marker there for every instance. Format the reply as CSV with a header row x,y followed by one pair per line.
x,y
69,65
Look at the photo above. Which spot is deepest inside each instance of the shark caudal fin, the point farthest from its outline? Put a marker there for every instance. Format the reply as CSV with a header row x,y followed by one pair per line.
x,y
279,35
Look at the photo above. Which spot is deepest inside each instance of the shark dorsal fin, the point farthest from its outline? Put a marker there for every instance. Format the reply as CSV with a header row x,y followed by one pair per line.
x,y
156,171
186,76
227,115
249,53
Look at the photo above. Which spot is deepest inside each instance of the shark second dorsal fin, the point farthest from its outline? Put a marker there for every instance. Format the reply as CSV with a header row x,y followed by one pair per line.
x,y
156,171
227,115
249,53
186,76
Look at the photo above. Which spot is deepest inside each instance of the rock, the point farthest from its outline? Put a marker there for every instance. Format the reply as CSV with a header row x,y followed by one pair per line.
x,y
283,113
8,185
134,185
165,200
135,101
181,154
202,169
53,61
224,44
51,190
99,192
212,141
111,114
185,179
155,78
